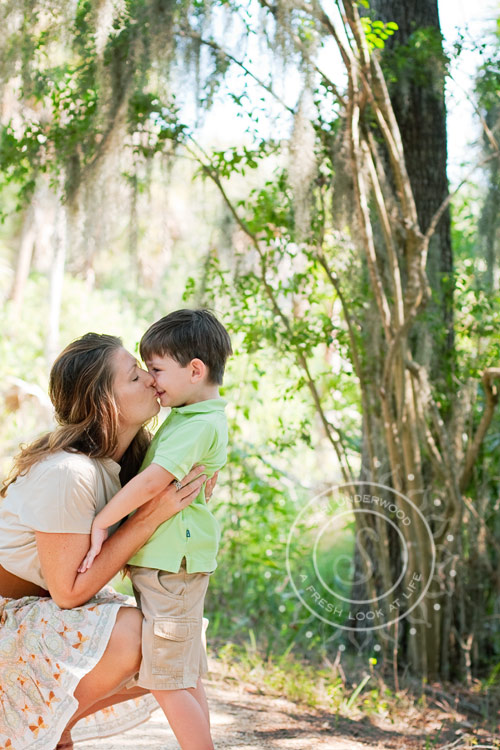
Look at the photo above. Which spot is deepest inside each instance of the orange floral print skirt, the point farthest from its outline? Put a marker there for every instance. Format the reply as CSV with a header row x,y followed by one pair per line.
x,y
44,653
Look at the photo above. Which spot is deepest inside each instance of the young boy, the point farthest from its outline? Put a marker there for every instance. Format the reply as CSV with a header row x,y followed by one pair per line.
x,y
185,352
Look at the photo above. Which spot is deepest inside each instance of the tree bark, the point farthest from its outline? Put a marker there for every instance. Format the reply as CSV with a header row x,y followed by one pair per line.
x,y
488,226
415,60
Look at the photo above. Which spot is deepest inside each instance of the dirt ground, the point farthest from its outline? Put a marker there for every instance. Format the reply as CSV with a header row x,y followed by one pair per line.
x,y
242,718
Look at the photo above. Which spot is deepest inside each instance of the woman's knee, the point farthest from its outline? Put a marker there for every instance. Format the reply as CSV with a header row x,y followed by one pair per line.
x,y
120,661
126,637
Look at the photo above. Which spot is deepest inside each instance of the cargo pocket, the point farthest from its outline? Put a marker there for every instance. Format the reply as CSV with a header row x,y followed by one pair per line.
x,y
171,642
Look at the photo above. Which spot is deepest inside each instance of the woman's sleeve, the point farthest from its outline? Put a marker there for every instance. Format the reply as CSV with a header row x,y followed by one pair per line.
x,y
62,499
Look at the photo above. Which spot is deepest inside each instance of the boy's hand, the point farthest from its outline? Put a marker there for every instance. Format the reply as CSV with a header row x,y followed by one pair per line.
x,y
97,539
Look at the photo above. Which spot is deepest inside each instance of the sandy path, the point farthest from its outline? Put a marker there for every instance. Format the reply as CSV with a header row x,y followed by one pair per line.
x,y
241,719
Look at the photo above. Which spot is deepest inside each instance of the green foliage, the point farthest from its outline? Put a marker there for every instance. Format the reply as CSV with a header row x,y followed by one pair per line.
x,y
77,90
237,159
376,32
254,517
478,319
62,130
318,687
421,60
18,162
157,124
488,79
281,675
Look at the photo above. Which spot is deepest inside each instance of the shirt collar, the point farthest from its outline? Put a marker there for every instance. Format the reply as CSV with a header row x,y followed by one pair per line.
x,y
202,407
111,466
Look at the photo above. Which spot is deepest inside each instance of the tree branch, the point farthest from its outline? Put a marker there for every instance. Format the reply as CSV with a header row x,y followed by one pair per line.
x,y
444,205
361,193
487,131
491,393
220,51
300,46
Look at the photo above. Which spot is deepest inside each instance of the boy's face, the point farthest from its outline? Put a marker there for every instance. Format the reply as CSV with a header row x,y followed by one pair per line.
x,y
173,382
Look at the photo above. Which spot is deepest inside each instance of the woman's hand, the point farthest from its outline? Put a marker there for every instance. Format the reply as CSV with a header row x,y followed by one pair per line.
x,y
171,500
210,485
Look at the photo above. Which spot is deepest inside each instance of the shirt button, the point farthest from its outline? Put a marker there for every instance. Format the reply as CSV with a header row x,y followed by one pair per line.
x,y
188,533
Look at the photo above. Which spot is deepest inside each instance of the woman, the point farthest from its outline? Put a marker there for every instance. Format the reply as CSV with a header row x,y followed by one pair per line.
x,y
68,649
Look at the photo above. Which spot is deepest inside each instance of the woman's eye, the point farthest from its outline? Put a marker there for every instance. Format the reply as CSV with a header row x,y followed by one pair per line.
x,y
136,378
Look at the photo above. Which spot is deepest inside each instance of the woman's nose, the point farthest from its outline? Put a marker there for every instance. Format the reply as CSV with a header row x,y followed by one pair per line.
x,y
149,380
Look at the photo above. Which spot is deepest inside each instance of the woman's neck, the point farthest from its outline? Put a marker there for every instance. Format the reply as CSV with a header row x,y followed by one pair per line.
x,y
125,437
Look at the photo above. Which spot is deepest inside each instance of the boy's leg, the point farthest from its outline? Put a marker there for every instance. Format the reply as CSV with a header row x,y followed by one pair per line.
x,y
173,652
187,717
201,697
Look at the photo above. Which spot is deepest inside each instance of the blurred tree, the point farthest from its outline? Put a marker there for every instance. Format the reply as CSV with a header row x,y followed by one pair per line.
x,y
327,264
414,66
488,91
414,412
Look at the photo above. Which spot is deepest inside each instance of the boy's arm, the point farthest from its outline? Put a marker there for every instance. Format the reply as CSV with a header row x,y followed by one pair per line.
x,y
135,493
138,491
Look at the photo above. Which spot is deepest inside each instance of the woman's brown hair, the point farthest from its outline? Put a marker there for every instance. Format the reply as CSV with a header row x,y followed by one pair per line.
x,y
81,390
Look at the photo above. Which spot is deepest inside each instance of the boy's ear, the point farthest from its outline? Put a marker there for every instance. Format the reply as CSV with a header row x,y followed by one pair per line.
x,y
198,370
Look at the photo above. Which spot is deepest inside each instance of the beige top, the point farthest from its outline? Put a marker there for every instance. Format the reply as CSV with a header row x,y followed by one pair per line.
x,y
61,493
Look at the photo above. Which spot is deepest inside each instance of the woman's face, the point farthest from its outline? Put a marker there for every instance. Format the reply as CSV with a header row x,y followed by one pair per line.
x,y
134,389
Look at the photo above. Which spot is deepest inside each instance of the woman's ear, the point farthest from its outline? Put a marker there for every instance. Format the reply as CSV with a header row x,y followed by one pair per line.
x,y
198,370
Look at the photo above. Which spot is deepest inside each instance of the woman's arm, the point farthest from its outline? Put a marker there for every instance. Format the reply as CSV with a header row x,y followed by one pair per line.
x,y
61,554
135,493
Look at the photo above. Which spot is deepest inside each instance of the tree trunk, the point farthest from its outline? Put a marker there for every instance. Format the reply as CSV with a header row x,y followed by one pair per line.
x,y
489,220
24,257
415,60
56,282
417,97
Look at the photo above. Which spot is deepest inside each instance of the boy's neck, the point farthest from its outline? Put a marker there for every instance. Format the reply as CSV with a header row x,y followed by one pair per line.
x,y
205,393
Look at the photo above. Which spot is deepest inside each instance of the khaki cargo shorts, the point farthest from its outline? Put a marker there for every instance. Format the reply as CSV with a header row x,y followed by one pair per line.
x,y
173,651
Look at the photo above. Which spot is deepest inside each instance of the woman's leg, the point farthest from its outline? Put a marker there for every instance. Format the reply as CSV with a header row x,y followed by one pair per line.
x,y
120,661
123,695
111,700
65,743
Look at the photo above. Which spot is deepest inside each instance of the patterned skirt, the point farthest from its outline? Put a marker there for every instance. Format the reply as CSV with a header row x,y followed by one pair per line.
x,y
44,653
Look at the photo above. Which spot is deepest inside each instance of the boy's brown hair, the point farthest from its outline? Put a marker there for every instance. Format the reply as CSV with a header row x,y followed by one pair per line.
x,y
189,334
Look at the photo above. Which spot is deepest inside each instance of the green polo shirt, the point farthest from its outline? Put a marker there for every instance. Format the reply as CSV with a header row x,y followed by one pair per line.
x,y
192,434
